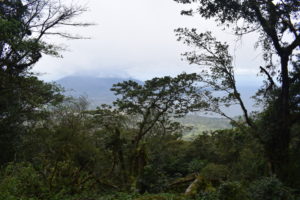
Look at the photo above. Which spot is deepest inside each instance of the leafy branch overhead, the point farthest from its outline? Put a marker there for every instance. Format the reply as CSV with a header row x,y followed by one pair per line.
x,y
217,72
277,22
23,27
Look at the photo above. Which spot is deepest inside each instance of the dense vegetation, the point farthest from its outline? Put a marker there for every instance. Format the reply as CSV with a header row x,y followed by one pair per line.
x,y
53,147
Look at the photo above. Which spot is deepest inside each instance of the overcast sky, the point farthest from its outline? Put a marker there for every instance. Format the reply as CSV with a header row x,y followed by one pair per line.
x,y
135,38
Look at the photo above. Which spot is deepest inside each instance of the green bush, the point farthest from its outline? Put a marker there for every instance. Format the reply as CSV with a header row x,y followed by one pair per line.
x,y
118,196
21,181
152,180
269,188
232,191
212,195
196,166
162,197
215,172
226,191
135,196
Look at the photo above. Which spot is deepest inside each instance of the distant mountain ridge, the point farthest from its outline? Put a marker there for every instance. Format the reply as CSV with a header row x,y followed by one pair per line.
x,y
96,89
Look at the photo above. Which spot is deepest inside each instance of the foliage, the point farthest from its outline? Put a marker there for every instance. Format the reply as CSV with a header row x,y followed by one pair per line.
x,y
162,197
217,73
134,149
21,108
278,25
214,172
232,191
213,195
77,154
23,26
269,188
153,104
156,101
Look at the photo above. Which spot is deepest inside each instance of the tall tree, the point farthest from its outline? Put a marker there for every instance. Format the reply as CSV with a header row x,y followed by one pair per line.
x,y
157,100
23,103
23,27
154,103
279,28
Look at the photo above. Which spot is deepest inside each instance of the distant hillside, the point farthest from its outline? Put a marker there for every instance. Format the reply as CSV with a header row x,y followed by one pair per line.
x,y
200,124
96,89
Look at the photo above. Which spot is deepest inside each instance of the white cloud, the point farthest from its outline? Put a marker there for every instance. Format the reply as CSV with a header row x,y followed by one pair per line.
x,y
134,38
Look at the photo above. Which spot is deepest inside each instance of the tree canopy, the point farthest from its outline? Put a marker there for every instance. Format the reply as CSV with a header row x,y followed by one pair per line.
x,y
23,27
277,22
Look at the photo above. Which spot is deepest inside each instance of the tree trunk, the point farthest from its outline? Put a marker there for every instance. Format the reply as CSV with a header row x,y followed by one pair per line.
x,y
279,146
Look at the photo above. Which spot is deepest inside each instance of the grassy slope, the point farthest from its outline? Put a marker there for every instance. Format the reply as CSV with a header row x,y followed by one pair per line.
x,y
200,124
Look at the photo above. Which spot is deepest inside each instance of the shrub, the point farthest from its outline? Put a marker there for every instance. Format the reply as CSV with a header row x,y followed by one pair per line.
x,y
213,195
269,188
232,191
21,181
162,197
214,172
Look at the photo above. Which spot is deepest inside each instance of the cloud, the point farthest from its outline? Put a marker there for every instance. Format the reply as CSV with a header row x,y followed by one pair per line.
x,y
133,38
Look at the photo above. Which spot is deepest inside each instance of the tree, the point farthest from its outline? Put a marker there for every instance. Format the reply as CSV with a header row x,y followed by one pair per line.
x,y
156,100
23,27
24,24
23,103
153,104
66,150
112,124
278,25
